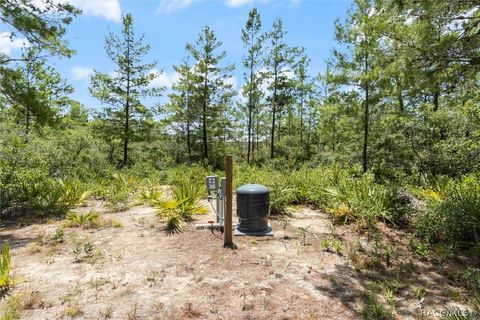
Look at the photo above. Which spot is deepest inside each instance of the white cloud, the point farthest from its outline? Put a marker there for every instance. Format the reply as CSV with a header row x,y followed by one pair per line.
x,y
167,6
7,44
81,73
108,9
163,79
239,3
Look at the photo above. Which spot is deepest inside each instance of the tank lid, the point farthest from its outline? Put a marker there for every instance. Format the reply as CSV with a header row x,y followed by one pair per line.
x,y
252,189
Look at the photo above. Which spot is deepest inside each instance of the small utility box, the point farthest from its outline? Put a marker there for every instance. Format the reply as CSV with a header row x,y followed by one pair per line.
x,y
212,184
253,210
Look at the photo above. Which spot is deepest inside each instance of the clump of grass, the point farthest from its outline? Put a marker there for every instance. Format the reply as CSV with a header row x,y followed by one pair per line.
x,y
73,311
5,280
17,302
373,309
75,193
107,312
59,236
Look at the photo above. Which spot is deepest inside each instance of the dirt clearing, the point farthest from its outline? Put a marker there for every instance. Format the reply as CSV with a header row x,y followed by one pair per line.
x,y
131,269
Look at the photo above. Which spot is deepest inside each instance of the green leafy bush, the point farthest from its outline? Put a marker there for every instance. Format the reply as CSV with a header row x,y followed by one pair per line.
x,y
117,190
452,214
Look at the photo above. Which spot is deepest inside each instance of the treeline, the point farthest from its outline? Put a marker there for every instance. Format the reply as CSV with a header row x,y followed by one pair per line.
x,y
399,97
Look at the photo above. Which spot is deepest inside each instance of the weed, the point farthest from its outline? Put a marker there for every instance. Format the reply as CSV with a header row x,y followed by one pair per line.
x,y
373,309
59,236
303,232
85,252
418,292
132,314
107,312
16,303
332,245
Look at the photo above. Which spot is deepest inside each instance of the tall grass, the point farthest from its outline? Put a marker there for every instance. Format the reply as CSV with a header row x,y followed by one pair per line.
x,y
5,267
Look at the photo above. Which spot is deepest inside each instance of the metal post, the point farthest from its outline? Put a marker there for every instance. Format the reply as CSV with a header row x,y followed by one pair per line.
x,y
221,202
228,237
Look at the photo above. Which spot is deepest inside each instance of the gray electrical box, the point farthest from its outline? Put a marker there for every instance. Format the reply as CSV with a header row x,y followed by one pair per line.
x,y
212,183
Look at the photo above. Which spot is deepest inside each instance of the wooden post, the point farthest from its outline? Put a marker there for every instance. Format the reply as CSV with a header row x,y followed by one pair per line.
x,y
228,239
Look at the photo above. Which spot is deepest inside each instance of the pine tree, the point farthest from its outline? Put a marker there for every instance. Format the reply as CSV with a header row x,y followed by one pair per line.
x,y
253,41
123,90
211,81
279,65
35,90
43,23
358,67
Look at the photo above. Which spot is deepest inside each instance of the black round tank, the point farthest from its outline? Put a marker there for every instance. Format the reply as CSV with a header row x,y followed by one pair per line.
x,y
253,207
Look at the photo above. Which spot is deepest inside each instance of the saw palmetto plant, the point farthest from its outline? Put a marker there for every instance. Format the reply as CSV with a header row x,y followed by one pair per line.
x,y
149,195
88,219
184,204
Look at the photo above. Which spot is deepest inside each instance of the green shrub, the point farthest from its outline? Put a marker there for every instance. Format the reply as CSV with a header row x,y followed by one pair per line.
x,y
282,192
117,190
363,200
452,213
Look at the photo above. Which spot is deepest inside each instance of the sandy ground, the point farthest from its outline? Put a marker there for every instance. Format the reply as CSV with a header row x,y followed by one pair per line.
x,y
138,272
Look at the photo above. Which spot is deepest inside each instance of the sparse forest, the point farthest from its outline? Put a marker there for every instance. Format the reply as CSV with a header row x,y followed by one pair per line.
x,y
385,145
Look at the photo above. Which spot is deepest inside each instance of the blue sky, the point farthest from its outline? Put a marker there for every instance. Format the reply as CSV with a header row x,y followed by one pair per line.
x,y
169,24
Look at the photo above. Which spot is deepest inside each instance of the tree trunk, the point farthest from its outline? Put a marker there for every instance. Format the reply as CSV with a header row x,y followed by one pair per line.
x,y
27,122
204,118
250,110
401,104
365,125
127,111
253,136
435,101
274,110
301,121
189,147
257,133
